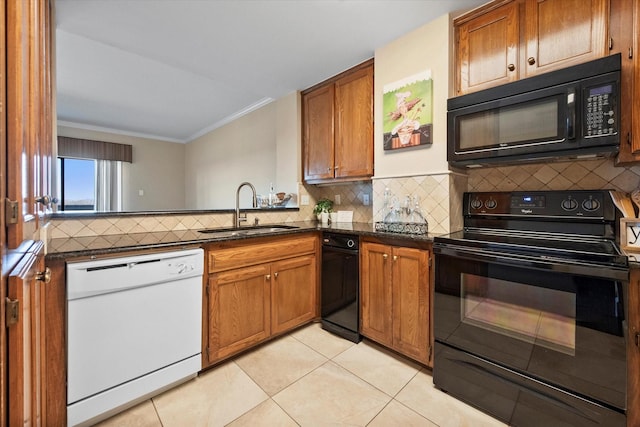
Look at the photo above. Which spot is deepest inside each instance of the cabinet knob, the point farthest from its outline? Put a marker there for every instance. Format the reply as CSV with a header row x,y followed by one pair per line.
x,y
329,169
385,256
267,277
531,60
275,274
395,257
511,67
45,200
44,276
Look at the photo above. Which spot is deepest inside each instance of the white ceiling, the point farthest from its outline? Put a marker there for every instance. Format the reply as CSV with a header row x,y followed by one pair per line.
x,y
176,69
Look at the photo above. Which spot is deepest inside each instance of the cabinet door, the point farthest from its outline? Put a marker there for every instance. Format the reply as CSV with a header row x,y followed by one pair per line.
x,y
560,33
29,109
354,125
293,292
376,293
411,329
317,128
633,350
25,340
238,310
487,53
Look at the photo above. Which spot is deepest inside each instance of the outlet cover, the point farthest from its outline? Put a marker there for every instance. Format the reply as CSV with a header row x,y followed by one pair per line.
x,y
337,199
304,200
365,199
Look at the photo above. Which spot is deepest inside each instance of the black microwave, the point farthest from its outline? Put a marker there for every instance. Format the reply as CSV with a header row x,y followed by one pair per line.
x,y
571,113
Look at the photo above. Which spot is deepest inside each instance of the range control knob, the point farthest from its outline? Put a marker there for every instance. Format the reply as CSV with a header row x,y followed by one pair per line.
x,y
350,243
569,204
590,205
490,204
476,204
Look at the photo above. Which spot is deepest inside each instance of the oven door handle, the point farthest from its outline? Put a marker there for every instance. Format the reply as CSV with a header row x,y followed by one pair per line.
x,y
540,263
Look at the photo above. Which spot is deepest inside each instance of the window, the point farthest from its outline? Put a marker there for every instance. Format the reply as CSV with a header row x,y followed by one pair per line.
x,y
90,174
77,184
86,184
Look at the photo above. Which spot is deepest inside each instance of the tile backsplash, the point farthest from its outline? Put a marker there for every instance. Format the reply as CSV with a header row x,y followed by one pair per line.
x,y
575,175
440,198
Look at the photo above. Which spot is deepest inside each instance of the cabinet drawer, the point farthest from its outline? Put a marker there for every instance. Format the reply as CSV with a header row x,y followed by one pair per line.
x,y
259,252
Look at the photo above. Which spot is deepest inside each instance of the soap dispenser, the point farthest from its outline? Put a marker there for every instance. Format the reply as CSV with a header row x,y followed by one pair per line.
x,y
272,194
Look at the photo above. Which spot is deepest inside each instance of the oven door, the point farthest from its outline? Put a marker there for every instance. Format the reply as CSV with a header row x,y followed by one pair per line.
x,y
563,329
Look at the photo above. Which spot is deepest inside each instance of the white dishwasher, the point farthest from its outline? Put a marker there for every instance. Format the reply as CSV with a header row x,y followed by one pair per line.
x,y
133,329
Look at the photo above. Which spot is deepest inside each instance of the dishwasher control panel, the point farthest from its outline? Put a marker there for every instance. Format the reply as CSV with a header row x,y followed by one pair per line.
x,y
96,277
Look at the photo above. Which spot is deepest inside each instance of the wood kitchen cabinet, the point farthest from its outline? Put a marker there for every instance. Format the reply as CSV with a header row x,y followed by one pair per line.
x,y
29,109
257,289
26,338
26,129
507,40
395,295
626,18
633,350
337,127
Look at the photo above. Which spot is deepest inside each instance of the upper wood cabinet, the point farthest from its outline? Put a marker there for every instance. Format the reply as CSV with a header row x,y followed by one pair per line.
x,y
625,18
337,127
29,111
487,49
507,40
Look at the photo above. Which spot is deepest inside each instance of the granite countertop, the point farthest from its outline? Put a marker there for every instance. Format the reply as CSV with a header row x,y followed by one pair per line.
x,y
70,247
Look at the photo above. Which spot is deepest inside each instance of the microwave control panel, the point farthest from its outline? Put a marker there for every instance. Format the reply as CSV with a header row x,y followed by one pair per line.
x,y
600,106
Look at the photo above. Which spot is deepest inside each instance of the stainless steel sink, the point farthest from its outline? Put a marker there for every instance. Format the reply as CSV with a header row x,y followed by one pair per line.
x,y
247,231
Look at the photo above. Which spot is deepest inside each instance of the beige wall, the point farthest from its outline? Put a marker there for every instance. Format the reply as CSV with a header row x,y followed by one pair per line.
x,y
261,147
157,169
422,49
420,171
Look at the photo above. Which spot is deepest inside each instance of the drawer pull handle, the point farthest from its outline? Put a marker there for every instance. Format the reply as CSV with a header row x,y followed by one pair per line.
x,y
385,256
268,277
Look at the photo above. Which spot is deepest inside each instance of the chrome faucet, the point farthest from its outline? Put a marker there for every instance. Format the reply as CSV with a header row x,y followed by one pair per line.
x,y
255,202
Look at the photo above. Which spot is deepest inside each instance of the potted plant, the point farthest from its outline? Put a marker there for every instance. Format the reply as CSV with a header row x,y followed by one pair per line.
x,y
323,206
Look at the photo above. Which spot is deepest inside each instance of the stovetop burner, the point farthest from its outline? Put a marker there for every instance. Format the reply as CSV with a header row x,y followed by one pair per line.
x,y
557,227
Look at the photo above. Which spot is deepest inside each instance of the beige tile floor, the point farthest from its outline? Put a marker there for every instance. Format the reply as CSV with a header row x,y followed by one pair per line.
x,y
308,378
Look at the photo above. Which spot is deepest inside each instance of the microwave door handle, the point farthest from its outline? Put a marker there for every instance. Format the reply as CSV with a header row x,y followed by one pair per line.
x,y
571,114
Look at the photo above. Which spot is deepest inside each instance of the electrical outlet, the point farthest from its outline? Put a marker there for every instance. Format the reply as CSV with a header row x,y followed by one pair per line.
x,y
304,200
337,199
365,199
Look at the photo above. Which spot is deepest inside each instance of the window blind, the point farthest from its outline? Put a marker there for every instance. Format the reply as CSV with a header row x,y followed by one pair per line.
x,y
90,149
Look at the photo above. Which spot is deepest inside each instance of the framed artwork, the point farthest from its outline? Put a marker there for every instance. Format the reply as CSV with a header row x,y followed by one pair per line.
x,y
408,112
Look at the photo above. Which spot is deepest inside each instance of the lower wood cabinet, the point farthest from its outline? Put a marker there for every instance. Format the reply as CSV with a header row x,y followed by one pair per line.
x,y
633,350
270,288
395,298
238,310
293,292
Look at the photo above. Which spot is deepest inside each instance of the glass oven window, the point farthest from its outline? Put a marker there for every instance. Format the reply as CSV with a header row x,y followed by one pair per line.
x,y
511,125
542,316
565,329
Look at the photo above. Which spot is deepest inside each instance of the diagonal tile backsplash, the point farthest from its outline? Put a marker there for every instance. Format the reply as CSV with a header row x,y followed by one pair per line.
x,y
575,175
440,198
